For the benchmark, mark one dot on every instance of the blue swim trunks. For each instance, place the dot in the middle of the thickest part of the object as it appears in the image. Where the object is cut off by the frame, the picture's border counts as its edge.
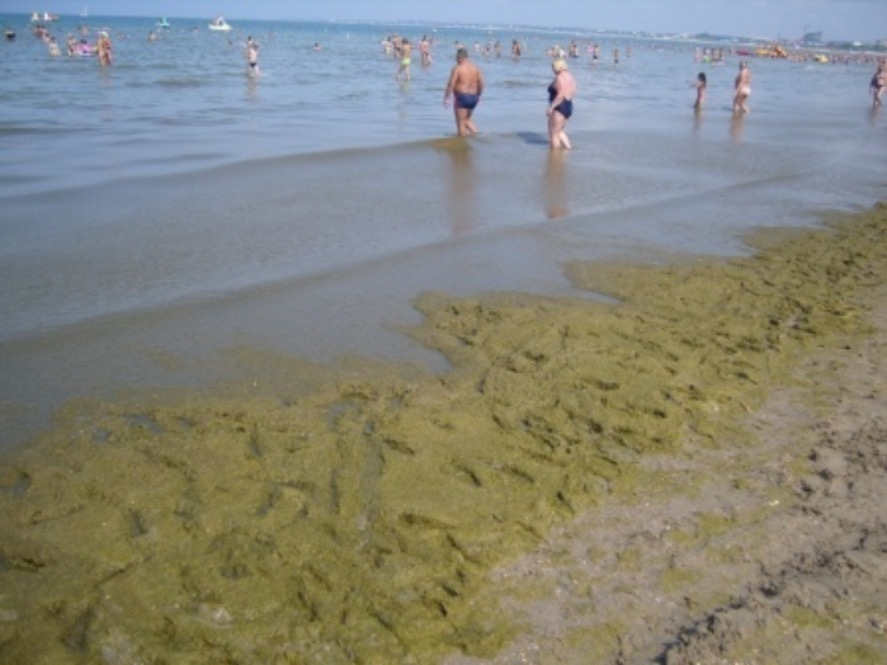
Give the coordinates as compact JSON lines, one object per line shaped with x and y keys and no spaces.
{"x":466,"y":100}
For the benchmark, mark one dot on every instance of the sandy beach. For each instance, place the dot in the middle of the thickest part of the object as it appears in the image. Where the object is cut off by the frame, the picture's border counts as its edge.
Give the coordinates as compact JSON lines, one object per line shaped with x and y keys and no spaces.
{"x":694,"y":473}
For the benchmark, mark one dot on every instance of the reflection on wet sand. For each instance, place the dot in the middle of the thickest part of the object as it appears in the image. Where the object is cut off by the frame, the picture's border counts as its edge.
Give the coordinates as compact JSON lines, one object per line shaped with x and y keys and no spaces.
{"x":736,"y":128}
{"x":461,"y":195}
{"x":555,"y":184}
{"x":697,"y":120}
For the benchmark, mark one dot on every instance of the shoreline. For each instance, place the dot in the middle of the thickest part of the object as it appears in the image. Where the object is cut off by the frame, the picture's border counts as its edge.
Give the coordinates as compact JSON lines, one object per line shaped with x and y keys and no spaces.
{"x":365,"y":519}
{"x":163,"y":271}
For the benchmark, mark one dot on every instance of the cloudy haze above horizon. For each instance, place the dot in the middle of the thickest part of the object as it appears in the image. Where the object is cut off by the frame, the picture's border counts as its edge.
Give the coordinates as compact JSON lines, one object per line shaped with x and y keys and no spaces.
{"x":838,"y":20}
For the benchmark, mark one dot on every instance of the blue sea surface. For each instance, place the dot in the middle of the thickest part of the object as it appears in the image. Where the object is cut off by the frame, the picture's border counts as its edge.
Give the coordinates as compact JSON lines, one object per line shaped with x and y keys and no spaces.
{"x":171,"y":206}
{"x":184,"y":101}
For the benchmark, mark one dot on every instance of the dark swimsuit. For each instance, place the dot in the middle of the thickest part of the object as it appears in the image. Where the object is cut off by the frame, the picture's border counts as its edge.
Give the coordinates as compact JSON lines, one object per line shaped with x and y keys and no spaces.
{"x":465,"y":100}
{"x":565,"y":108}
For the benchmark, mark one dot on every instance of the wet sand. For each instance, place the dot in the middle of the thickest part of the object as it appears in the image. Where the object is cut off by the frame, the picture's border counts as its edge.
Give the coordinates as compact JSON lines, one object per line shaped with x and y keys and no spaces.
{"x":149,"y":282}
{"x":692,"y":474}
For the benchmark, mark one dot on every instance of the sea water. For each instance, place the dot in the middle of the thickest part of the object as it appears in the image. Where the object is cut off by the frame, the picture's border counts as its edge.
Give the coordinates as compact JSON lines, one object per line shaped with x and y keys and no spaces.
{"x":158,"y":212}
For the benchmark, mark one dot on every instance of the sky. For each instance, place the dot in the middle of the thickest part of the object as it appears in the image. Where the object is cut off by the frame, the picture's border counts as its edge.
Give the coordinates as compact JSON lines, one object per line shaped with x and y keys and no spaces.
{"x":838,"y":20}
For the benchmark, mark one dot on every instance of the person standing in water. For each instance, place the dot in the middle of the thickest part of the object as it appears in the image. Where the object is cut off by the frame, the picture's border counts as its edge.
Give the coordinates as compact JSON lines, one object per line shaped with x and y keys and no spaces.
{"x":742,"y":86}
{"x":878,"y":83}
{"x":406,"y":51}
{"x":103,"y":49}
{"x":252,"y":58}
{"x":466,"y":85}
{"x":425,"y":51}
{"x":515,"y":49}
{"x":560,"y":104}
{"x":701,"y":86}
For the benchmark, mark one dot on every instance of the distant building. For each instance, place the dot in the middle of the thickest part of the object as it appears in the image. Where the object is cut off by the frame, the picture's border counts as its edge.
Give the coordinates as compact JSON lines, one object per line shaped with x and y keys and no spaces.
{"x":812,"y":38}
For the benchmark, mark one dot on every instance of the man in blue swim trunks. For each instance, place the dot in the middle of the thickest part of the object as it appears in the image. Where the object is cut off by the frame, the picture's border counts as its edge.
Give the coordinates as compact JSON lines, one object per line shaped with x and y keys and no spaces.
{"x":466,"y":85}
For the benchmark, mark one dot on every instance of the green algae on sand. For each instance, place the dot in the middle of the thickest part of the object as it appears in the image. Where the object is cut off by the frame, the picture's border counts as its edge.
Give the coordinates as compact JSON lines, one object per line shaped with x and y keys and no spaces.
{"x":358,"y":523}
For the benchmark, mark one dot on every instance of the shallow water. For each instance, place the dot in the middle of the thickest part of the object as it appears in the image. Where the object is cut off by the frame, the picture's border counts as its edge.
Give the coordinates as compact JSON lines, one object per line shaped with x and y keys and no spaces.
{"x":158,"y":213}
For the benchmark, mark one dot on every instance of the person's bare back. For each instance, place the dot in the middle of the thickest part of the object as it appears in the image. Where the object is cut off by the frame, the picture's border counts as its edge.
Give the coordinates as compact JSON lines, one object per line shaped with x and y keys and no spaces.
{"x":466,"y":78}
{"x":466,"y":85}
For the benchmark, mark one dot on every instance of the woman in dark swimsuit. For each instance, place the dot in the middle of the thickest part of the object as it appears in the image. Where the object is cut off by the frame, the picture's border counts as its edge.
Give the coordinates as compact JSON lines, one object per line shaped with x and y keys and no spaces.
{"x":878,"y":83}
{"x":560,"y":104}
